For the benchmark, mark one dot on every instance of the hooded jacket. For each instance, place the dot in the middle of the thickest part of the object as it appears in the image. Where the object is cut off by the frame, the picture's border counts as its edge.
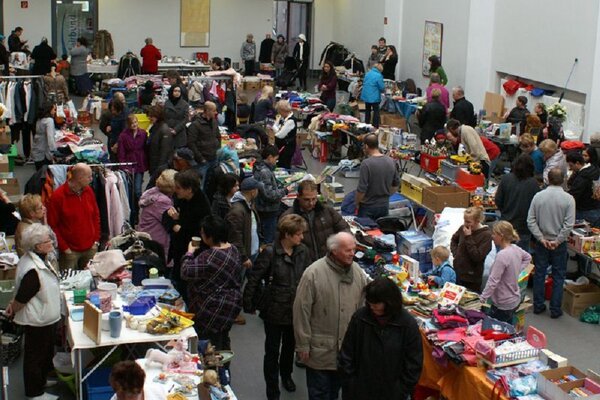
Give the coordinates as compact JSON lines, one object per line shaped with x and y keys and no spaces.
{"x":176,"y":116}
{"x":581,"y":187}
{"x":324,"y":222}
{"x":153,"y":205}
{"x":240,"y":225}
{"x":269,"y":192}
{"x":204,"y":139}
{"x":469,"y":253}
{"x":380,"y":362}
{"x":373,"y":86}
{"x":160,"y":146}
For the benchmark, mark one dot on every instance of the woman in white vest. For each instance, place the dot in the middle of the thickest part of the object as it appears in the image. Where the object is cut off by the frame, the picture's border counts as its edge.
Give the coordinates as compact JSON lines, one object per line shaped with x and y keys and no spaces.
{"x":36,"y":307}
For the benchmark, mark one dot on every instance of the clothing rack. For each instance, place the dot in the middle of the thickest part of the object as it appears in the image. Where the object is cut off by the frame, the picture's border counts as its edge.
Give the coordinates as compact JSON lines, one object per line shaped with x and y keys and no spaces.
{"x":21,"y":77}
{"x":112,"y":164}
{"x":219,"y":79}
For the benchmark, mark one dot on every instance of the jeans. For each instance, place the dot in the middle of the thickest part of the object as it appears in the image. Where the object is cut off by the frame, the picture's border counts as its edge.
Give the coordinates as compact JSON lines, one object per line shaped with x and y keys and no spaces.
{"x":330,"y":103}
{"x":268,"y":223}
{"x":591,"y":216}
{"x":278,"y":363}
{"x":375,"y":108}
{"x":501,"y":315}
{"x":248,"y":67}
{"x":524,"y":241}
{"x":493,"y":166}
{"x":138,"y":179}
{"x":543,"y":258}
{"x":205,"y":170}
{"x":322,"y":384}
{"x":373,"y":212}
{"x":37,"y":358}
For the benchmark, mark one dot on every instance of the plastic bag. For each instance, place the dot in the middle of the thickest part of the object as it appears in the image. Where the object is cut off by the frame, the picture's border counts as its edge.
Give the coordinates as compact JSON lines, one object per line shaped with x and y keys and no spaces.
{"x":523,"y":386}
{"x":591,"y":315}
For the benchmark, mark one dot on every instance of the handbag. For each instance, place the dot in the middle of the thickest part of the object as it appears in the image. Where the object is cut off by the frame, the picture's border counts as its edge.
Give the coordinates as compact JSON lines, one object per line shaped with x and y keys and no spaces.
{"x":262,"y":295}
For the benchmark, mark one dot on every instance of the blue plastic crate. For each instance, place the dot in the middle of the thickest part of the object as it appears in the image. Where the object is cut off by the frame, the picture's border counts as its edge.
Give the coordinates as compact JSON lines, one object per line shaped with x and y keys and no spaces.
{"x":96,"y":386}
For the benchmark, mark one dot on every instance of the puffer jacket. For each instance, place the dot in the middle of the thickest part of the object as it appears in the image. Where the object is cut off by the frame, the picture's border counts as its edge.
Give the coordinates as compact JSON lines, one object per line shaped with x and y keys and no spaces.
{"x":282,"y":274}
{"x":153,"y":205}
{"x":327,"y":297}
{"x":581,"y":187}
{"x":176,"y":116}
{"x":204,"y":139}
{"x":372,"y":354}
{"x":160,"y":146}
{"x":240,"y":225}
{"x":279,"y":53}
{"x":269,"y":192}
{"x":325,"y":222}
{"x":248,"y":51}
{"x":373,"y":86}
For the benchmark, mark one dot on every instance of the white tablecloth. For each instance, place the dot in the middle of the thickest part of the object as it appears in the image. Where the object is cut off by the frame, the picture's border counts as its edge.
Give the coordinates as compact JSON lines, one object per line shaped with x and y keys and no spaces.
{"x":102,"y":69}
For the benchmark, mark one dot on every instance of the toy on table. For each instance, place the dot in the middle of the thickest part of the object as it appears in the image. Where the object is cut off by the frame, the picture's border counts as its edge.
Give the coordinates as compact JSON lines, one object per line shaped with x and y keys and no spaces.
{"x":210,"y":388}
{"x":176,"y":358}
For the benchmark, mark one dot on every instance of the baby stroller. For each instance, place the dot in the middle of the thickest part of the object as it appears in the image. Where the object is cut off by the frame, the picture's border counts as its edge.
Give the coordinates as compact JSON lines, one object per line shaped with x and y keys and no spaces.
{"x":289,"y":74}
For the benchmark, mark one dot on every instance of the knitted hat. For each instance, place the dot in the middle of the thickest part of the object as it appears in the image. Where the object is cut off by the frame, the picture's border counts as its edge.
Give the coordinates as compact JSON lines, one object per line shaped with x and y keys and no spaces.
{"x":249,"y":184}
{"x":302,"y":37}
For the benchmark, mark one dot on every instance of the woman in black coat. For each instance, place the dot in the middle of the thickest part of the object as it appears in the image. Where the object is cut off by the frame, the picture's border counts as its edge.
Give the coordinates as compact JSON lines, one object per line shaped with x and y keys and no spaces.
{"x":280,"y":265}
{"x":389,"y":63}
{"x":176,"y":116}
{"x":43,"y":55}
{"x":432,"y":117}
{"x":160,"y":140}
{"x":382,"y":355}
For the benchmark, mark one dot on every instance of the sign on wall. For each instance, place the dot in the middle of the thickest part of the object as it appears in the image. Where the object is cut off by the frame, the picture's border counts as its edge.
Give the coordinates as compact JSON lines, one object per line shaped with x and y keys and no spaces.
{"x":195,"y":23}
{"x":432,"y":43}
{"x":73,"y":22}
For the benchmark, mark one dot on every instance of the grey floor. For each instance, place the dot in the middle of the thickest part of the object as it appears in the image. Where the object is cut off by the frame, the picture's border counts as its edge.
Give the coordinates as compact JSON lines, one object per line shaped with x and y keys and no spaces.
{"x":566,"y":336}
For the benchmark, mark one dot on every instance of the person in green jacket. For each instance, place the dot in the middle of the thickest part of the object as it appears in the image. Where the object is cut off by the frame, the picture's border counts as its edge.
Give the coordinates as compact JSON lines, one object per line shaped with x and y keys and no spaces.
{"x":436,"y":66}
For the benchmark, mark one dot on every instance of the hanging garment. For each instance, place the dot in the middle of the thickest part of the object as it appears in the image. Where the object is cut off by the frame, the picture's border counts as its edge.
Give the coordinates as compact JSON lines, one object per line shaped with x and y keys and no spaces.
{"x":116,"y":217}
{"x":103,"y":44}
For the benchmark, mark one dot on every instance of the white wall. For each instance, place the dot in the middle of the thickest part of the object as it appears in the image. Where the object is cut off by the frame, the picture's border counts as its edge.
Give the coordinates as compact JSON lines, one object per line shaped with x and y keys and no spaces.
{"x":542,"y":39}
{"x":455,"y":17}
{"x":359,"y":25}
{"x":324,"y":12}
{"x":34,"y":20}
{"x":131,"y":21}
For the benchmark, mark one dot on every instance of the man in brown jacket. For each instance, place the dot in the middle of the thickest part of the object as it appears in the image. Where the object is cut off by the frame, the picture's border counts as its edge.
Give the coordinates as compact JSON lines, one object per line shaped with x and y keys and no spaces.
{"x":322,"y":220}
{"x":244,"y":223}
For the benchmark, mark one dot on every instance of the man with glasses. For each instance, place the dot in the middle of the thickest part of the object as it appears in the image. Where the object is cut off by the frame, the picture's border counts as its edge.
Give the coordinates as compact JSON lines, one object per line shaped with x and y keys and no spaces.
{"x":322,"y":220}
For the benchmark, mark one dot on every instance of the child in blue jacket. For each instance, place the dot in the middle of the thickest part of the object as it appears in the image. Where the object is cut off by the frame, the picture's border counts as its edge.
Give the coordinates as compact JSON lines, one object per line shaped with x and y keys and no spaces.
{"x":442,"y":270}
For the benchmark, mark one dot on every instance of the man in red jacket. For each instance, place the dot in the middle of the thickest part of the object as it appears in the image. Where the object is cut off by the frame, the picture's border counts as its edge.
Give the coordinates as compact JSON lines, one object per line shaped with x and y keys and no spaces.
{"x":74,"y":216}
{"x":150,"y":55}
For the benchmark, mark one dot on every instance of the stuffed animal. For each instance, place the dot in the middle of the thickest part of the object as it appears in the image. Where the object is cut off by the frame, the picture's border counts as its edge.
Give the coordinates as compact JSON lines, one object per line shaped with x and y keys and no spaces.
{"x":177,"y":356}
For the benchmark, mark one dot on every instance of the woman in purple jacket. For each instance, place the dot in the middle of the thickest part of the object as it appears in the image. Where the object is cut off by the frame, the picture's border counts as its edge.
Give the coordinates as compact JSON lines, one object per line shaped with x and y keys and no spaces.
{"x":328,"y":85}
{"x":153,"y":204}
{"x":132,"y":149}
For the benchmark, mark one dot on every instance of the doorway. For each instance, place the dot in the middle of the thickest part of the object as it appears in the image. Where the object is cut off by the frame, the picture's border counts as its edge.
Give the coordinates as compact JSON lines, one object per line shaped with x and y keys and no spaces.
{"x":291,"y":18}
{"x":72,"y":19}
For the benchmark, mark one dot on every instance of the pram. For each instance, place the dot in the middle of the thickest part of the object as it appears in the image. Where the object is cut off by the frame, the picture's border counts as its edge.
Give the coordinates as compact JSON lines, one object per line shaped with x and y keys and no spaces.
{"x":289,"y":74}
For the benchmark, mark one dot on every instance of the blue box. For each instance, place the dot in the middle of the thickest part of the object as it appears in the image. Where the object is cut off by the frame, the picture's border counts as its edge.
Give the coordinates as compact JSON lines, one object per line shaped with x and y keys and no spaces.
{"x":411,"y":241}
{"x":96,"y":386}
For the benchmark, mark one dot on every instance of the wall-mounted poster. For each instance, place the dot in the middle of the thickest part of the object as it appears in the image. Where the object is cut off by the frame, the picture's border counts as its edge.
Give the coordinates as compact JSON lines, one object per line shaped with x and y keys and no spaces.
{"x":432,"y":43}
{"x":195,"y":23}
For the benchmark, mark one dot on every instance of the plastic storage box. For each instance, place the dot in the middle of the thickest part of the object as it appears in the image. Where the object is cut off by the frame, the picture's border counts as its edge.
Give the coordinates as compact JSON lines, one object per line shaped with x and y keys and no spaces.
{"x":141,"y":305}
{"x":469,"y":181}
{"x":449,"y":169}
{"x":97,"y":387}
{"x":431,"y":163}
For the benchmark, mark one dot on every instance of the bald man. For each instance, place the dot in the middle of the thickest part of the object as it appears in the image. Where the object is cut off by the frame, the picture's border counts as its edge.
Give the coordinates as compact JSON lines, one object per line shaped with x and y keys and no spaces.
{"x":204,"y":139}
{"x":329,"y":293}
{"x":74,"y":216}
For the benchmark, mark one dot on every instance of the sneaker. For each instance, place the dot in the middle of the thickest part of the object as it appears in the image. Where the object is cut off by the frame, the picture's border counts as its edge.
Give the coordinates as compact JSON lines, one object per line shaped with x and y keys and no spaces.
{"x":29,"y":161}
{"x":556,"y":315}
{"x":539,"y":310}
{"x":45,"y":396}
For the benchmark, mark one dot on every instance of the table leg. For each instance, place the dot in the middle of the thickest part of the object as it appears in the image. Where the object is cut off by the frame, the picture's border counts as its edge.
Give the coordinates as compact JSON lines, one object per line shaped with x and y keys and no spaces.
{"x":78,"y":382}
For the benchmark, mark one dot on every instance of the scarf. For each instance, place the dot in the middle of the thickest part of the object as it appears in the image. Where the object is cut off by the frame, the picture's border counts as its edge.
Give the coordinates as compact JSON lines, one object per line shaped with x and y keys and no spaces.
{"x":174,"y":99}
{"x":347,"y":275}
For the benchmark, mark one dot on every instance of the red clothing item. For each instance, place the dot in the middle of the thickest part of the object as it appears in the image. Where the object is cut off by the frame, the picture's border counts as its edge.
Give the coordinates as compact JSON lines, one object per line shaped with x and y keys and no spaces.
{"x":150,"y":55}
{"x":492,"y":150}
{"x":75,"y":219}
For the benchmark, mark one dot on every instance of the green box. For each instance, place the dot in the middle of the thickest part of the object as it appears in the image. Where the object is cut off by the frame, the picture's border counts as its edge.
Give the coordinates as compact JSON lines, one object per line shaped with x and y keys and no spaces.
{"x":11,"y":158}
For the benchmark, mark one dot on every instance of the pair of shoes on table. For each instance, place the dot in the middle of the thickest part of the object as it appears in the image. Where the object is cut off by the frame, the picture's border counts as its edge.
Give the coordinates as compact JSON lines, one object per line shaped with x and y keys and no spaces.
{"x":288,"y":384}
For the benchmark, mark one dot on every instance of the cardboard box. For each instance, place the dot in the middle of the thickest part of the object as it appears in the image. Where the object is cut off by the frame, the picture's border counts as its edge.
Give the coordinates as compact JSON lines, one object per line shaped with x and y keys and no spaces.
{"x":7,"y":274}
{"x":5,"y":137}
{"x":551,"y":390}
{"x":588,"y":384}
{"x":576,"y":298}
{"x":439,"y":197}
{"x":493,"y":104}
{"x":416,"y":245}
{"x":393,"y":120}
{"x":412,"y":187}
{"x":4,"y":163}
{"x":581,"y":241}
{"x":10,"y":186}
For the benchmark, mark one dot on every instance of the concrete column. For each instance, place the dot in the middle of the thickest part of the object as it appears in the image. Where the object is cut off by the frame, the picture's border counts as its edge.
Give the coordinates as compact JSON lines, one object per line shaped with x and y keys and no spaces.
{"x":392,"y":31}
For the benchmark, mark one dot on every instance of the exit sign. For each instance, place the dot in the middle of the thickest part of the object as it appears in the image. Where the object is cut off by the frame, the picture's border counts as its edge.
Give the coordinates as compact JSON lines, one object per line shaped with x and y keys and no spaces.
{"x":24,"y":4}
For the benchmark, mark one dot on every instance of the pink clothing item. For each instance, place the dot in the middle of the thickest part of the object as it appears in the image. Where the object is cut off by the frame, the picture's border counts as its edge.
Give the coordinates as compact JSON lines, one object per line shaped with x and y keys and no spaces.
{"x":114,"y":207}
{"x":452,"y":335}
{"x":153,"y":205}
{"x":444,"y":97}
{"x":502,"y":286}
{"x":133,"y":149}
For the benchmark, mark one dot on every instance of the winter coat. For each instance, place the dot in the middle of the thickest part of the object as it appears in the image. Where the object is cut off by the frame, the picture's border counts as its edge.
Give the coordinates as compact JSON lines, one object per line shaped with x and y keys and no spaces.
{"x":160,"y":146}
{"x":240,"y":225}
{"x":263,"y":110}
{"x":220,"y":205}
{"x":331,"y":85}
{"x":463,"y":112}
{"x":133,"y":149}
{"x":431,"y":118}
{"x":443,"y":273}
{"x":325,"y":222}
{"x":43,"y":55}
{"x":327,"y":297}
{"x":279,"y":53}
{"x":269,"y":192}
{"x":281,"y":274}
{"x":4,"y":60}
{"x":14,"y":43}
{"x":103,"y":44}
{"x":373,"y":86}
{"x":150,"y":58}
{"x":389,"y":68}
{"x":470,"y":252}
{"x":513,"y":198}
{"x":518,"y":116}
{"x":248,"y":51}
{"x":380,"y":362}
{"x":266,"y":48}
{"x":204,"y":139}
{"x":581,"y":187}
{"x":305,"y":55}
{"x":79,"y":60}
{"x":176,"y":116}
{"x":153,"y":205}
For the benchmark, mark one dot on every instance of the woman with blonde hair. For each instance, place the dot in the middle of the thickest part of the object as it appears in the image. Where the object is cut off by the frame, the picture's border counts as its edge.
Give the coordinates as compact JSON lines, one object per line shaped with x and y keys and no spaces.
{"x":470,"y":245}
{"x":32,"y":210}
{"x":284,"y":129}
{"x":263,"y":108}
{"x":502,"y":287}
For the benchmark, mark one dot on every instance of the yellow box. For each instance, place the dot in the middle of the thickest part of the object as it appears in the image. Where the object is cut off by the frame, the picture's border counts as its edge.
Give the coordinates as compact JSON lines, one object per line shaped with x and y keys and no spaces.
{"x":143,"y":121}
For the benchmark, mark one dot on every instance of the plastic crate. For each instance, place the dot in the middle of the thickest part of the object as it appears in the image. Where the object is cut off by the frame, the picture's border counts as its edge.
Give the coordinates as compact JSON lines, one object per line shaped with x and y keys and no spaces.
{"x":12,"y":154}
{"x":449,"y":169}
{"x":468,"y":181}
{"x":143,"y":121}
{"x":431,"y":163}
{"x":96,"y":386}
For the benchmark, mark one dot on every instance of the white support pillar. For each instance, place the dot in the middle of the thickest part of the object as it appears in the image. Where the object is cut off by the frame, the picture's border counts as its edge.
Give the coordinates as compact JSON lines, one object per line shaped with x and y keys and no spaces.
{"x":392,"y":31}
{"x":592,"y":102}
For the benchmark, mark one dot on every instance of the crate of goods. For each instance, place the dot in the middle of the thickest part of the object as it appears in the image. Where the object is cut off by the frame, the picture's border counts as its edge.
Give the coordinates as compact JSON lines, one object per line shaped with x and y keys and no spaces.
{"x":449,"y":169}
{"x":97,"y":386}
{"x":7,"y":160}
{"x":416,"y":245}
{"x":548,"y":381}
{"x":576,"y":298}
{"x":412,"y":187}
{"x":431,"y":163}
{"x":581,"y":388}
{"x":581,"y":240}
{"x":468,"y":181}
{"x":517,"y":350}
{"x":251,"y":84}
{"x":437,"y":198}
{"x":4,"y":163}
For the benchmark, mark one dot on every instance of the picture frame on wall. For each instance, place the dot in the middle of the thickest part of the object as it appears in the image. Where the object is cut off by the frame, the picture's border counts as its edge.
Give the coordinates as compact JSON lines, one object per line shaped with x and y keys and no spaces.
{"x":432,"y":43}
{"x":194,"y":23}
